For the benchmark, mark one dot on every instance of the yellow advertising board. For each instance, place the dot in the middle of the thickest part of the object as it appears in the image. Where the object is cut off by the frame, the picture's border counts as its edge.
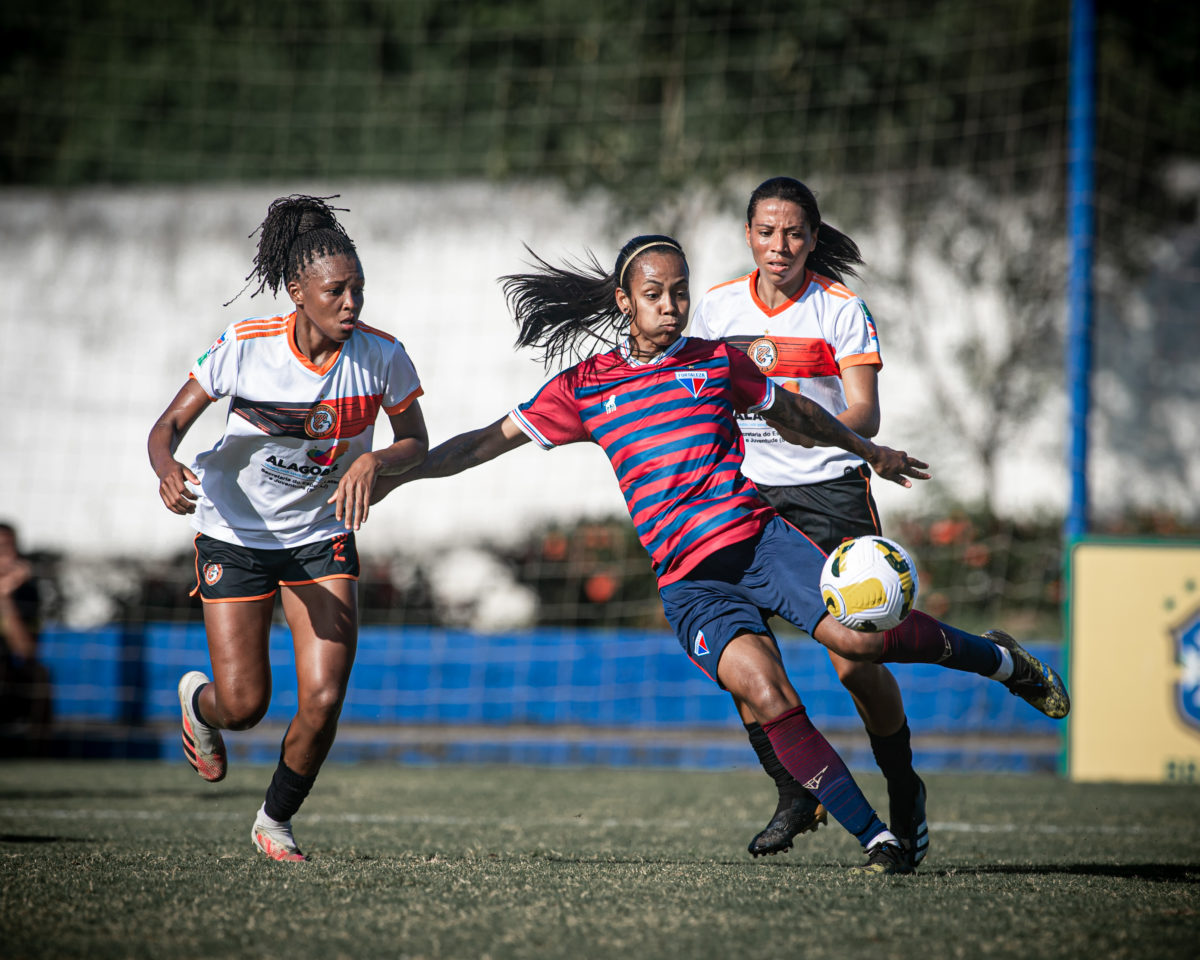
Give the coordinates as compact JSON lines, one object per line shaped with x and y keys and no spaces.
{"x":1134,"y":671}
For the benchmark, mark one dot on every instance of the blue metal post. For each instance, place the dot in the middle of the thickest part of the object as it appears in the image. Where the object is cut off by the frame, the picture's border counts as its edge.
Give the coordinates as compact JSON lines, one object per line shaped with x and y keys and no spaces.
{"x":1080,"y":235}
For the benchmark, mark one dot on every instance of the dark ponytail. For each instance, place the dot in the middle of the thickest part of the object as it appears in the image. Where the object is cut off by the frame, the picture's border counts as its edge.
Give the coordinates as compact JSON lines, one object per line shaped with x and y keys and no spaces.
{"x":565,"y":310}
{"x":835,"y":256}
{"x":296,"y":231}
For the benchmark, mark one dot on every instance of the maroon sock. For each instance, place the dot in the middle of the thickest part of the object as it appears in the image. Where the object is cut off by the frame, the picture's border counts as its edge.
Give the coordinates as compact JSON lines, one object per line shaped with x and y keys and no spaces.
{"x":921,"y":639}
{"x":808,"y":757}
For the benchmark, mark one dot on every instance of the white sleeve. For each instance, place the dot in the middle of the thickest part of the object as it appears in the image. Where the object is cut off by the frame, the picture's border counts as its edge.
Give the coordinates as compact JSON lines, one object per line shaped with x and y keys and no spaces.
{"x":216,"y":369}
{"x":699,"y":324}
{"x":854,"y":333}
{"x":403,"y":384}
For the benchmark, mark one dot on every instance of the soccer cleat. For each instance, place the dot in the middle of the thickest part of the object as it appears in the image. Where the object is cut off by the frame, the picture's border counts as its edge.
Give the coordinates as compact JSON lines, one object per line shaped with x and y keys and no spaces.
{"x":202,"y":745}
{"x":1032,"y":680}
{"x":883,"y":858}
{"x":793,"y":816}
{"x":912,"y":829}
{"x":276,"y":842}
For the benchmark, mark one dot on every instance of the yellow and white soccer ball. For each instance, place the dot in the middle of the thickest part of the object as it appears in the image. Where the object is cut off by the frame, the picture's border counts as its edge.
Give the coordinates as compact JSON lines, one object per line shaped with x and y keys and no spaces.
{"x":869,"y":583}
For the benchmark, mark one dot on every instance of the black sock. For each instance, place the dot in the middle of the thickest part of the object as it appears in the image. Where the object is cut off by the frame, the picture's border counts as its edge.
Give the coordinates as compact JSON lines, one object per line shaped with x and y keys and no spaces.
{"x":196,"y":706}
{"x":286,"y":792}
{"x":784,"y":781}
{"x":893,"y":753}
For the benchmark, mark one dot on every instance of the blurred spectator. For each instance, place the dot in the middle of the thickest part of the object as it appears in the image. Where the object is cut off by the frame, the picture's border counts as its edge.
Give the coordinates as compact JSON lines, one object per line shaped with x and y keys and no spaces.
{"x":24,"y":682}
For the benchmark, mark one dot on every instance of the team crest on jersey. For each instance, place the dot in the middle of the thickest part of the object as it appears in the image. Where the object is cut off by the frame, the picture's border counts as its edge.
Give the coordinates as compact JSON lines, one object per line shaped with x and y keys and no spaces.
{"x":321,"y":421}
{"x":765,"y":353}
{"x":701,"y":645}
{"x":1187,"y":653}
{"x":212,"y":573}
{"x":610,"y":405}
{"x":329,"y":455}
{"x":694,"y":380}
{"x":209,"y":352}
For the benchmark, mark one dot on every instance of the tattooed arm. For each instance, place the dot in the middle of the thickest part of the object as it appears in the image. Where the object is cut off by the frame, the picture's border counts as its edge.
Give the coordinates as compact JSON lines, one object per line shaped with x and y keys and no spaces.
{"x":803,"y":416}
{"x":458,"y":454}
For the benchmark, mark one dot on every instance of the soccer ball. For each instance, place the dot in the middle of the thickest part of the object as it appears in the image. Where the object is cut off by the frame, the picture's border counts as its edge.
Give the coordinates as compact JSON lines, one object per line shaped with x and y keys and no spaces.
{"x":869,"y":583}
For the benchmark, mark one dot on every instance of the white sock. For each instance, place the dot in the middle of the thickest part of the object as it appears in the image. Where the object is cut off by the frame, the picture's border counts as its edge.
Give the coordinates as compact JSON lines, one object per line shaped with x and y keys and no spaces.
{"x":267,"y":821}
{"x":886,"y":836}
{"x":1005,"y":670}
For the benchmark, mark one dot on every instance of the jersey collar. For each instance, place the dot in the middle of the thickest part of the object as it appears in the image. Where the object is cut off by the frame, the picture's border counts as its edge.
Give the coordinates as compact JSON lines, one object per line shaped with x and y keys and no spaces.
{"x":786,"y":303}
{"x":625,"y":352}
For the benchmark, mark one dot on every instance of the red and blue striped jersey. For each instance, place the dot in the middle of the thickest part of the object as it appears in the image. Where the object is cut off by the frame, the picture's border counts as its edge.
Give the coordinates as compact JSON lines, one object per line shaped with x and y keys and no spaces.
{"x":669,"y":430}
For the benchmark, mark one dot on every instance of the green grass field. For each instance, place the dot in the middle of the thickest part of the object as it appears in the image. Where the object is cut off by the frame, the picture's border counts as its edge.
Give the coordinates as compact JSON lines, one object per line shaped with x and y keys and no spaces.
{"x":145,"y":860}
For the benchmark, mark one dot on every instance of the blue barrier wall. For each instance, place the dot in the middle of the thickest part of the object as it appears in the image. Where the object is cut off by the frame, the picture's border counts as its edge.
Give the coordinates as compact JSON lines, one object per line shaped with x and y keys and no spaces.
{"x":546,"y":677}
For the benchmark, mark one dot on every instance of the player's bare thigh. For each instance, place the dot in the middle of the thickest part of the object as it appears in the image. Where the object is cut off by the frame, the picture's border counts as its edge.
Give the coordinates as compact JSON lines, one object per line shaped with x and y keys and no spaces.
{"x":752,"y":670}
{"x":238,"y":633}
{"x":323,"y":618}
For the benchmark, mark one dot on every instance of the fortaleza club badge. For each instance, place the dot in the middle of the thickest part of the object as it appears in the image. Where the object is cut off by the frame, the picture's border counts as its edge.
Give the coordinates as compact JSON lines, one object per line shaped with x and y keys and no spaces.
{"x":694,"y":380}
{"x":1187,"y":652}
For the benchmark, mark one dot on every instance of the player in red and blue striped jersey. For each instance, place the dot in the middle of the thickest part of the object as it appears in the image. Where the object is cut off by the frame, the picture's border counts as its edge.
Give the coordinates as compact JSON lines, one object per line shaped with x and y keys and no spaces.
{"x":663,"y":408}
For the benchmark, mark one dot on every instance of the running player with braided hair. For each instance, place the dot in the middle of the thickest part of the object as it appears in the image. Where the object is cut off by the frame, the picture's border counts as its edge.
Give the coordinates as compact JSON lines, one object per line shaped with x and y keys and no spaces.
{"x":796,"y":319}
{"x":663,"y":408}
{"x":277,"y":500}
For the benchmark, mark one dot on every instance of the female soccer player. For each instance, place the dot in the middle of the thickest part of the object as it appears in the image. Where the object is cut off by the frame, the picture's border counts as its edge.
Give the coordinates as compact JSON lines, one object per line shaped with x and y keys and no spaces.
{"x":663,"y":408}
{"x":797,"y":321}
{"x":277,"y":500}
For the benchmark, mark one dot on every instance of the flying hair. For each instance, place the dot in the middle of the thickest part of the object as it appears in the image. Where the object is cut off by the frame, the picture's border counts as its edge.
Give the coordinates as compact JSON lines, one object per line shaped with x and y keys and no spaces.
{"x":569,"y":312}
{"x":297,"y":230}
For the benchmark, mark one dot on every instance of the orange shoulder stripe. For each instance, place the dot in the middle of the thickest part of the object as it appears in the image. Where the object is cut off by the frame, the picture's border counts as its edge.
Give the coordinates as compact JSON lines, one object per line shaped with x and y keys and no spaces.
{"x":367,"y":328}
{"x":744,"y":276}
{"x":833,"y":287}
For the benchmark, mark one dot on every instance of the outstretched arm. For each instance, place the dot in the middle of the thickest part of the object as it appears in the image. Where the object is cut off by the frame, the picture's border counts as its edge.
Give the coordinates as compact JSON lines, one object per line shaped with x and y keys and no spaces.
{"x":410,"y":441}
{"x":458,"y":454}
{"x":803,"y":416}
{"x":861,"y":386}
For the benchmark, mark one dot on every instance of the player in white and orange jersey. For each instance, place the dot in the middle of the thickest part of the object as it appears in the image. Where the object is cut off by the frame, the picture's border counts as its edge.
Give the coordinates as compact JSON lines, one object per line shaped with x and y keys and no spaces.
{"x":808,"y":332}
{"x":277,"y":500}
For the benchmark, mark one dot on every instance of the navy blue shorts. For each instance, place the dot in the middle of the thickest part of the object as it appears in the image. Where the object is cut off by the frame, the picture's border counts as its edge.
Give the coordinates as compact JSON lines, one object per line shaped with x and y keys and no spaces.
{"x":228,"y":571}
{"x":739,"y":587}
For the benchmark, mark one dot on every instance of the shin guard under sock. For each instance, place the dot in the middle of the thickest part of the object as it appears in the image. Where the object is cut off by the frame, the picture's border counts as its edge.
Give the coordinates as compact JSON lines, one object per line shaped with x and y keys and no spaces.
{"x":921,"y":639}
{"x":893,"y":754}
{"x":286,"y":792}
{"x":810,"y":759}
{"x":784,"y":781}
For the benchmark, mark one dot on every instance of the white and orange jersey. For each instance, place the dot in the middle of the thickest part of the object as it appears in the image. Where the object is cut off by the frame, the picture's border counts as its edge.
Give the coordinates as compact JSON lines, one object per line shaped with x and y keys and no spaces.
{"x":803,"y":345}
{"x":292,"y":428}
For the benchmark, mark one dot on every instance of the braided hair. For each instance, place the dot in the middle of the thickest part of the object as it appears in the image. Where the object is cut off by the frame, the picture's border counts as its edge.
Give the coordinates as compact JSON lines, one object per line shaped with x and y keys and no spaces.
{"x":296,"y":231}
{"x":562,"y":309}
{"x":835,"y":256}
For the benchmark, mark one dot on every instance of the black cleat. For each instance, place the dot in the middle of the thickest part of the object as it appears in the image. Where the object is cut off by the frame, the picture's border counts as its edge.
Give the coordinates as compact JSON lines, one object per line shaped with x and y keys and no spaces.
{"x":1032,"y":680}
{"x":884,"y":858}
{"x":911,"y":827}
{"x":793,"y":816}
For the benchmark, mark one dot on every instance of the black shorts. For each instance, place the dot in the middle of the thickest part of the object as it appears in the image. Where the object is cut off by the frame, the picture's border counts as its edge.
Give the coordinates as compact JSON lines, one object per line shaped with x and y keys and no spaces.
{"x":830,"y":511}
{"x":227,"y":571}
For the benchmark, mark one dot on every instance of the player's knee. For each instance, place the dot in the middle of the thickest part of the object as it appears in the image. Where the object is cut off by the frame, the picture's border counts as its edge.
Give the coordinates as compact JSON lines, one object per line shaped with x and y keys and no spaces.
{"x":241,"y":709}
{"x":322,"y":705}
{"x":243,"y":716}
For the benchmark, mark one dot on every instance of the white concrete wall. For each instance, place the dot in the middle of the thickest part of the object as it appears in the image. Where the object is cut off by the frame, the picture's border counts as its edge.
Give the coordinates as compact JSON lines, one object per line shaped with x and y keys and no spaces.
{"x":113,"y":293}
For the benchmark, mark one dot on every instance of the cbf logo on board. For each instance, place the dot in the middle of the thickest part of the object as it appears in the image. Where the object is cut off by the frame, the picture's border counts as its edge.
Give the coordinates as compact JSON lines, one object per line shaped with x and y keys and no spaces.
{"x":1187,"y":652}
